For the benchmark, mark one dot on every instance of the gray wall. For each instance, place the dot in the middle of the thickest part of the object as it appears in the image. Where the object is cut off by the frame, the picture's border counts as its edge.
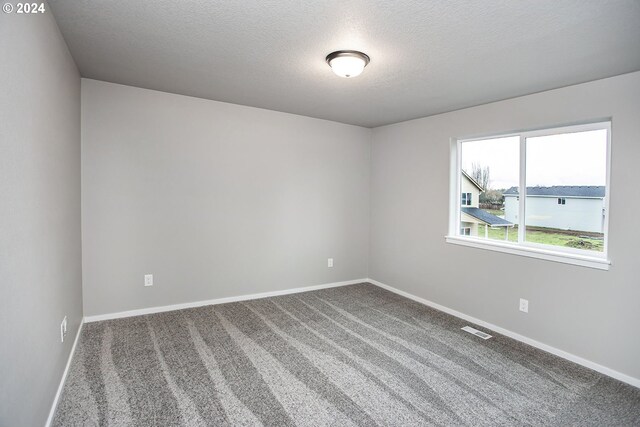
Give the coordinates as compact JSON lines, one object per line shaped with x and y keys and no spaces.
{"x":214,"y":199}
{"x":40,"y":259}
{"x":590,"y":313}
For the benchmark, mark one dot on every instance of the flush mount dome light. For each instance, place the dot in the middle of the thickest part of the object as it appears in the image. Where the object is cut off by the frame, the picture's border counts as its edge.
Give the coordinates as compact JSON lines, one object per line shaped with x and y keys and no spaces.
{"x":347,"y":63}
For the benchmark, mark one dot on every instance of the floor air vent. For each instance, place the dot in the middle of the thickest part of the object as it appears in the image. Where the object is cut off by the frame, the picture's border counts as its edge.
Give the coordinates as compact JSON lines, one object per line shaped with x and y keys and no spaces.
{"x":476,"y":332}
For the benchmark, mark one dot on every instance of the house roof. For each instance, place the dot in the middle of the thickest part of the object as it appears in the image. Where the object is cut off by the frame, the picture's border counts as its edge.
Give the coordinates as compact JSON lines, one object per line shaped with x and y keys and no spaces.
{"x":485,"y":216}
{"x":473,"y":181}
{"x":561,"y":191}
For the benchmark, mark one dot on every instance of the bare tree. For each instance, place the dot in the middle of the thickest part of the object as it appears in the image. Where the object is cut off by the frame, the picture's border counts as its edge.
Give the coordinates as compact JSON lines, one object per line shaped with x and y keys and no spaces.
{"x":481,"y":175}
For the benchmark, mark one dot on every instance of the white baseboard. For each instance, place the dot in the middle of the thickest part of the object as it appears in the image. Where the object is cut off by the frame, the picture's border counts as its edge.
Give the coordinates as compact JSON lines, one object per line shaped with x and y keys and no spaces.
{"x":52,"y":412}
{"x":549,"y":349}
{"x":151,"y":310}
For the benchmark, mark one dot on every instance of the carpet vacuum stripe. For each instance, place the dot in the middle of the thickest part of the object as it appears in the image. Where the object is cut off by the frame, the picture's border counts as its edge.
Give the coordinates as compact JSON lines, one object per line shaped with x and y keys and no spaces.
{"x":355,"y":355}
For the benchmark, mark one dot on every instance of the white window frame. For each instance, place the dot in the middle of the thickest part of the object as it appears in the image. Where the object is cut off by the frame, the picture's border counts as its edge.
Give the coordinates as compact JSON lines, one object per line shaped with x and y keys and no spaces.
{"x":573,"y":256}
{"x":463,"y":233}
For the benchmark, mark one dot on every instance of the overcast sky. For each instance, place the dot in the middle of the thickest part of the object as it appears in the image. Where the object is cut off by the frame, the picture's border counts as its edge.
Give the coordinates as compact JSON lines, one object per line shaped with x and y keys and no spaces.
{"x":566,"y":159}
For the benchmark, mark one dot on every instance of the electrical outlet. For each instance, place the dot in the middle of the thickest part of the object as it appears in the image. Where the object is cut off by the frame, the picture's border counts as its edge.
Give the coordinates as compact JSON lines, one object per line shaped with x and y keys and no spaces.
{"x":148,"y":279}
{"x":63,"y":329}
{"x":330,"y":262}
{"x":524,"y":305}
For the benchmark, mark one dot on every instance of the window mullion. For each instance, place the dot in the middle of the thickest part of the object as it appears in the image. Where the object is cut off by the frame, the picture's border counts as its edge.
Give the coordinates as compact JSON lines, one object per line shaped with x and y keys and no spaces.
{"x":522,"y":191}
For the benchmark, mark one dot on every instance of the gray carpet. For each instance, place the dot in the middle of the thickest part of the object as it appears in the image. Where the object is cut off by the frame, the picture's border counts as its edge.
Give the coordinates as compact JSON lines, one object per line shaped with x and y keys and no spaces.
{"x":349,"y":356}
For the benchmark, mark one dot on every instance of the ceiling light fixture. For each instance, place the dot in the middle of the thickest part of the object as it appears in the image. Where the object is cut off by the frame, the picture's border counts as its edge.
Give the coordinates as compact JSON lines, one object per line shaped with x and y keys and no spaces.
{"x":347,"y":63}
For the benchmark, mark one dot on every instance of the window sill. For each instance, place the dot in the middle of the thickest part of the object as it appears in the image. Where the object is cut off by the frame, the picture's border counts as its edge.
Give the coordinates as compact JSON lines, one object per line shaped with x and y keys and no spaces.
{"x":550,"y":255}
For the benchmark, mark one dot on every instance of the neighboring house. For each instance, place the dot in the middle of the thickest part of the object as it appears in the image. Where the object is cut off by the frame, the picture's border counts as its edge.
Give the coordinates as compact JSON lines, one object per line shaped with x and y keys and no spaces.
{"x":470,"y":214}
{"x":578,"y":208}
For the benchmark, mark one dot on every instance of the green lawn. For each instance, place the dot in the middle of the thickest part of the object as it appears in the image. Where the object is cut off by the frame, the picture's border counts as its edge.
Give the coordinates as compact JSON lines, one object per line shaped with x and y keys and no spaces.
{"x":547,"y":237}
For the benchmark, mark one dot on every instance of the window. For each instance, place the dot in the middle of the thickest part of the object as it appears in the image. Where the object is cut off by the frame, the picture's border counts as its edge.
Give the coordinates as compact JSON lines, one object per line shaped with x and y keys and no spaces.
{"x":519,"y":178}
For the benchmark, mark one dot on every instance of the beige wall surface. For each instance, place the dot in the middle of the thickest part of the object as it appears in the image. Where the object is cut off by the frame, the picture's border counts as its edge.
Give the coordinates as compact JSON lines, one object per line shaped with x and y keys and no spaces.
{"x":214,"y":199}
{"x":40,"y":253}
{"x":590,"y":313}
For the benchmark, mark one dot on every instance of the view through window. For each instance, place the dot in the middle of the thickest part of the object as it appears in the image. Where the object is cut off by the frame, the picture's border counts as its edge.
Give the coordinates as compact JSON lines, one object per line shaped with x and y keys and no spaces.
{"x":565,"y":176}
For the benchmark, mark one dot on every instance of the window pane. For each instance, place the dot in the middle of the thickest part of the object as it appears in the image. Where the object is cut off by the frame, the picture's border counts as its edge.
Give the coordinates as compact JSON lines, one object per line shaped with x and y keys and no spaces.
{"x":566,"y":178}
{"x":490,"y":168}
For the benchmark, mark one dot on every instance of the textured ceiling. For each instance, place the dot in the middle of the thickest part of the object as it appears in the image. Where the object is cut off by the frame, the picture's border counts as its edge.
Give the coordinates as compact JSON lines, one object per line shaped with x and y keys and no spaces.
{"x":427,"y":57}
